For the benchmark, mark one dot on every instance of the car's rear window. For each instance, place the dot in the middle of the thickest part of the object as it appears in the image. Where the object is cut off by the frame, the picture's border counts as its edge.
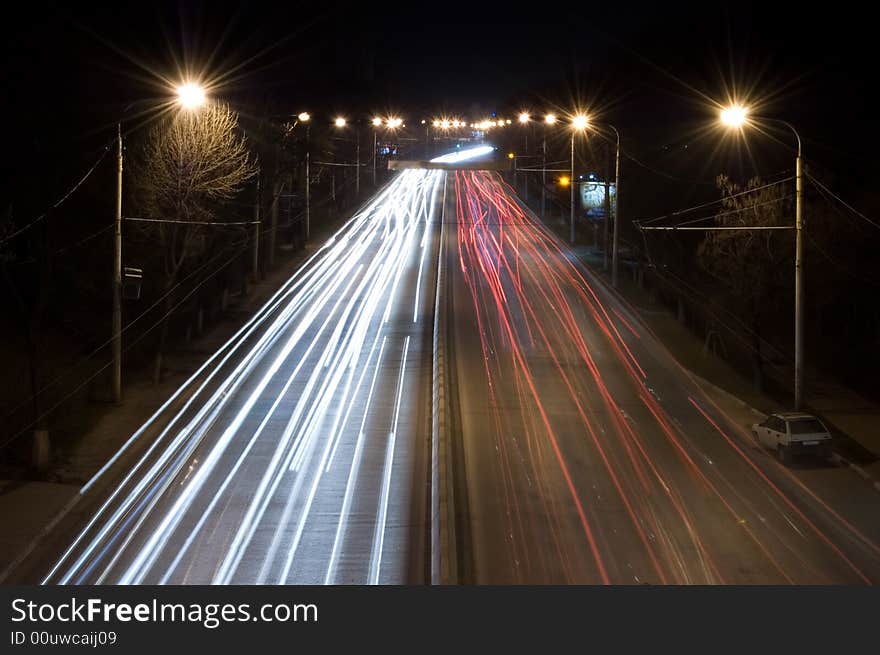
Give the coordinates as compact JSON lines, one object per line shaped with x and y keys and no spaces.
{"x":806,"y":426}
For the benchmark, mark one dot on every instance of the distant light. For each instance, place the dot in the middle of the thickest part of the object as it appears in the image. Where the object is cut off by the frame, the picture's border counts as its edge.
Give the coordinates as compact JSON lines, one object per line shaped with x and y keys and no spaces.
{"x":469,"y":153}
{"x":510,"y":155}
{"x":508,"y":121}
{"x":444,"y":125}
{"x":394,"y":122}
{"x":455,"y":123}
{"x":734,"y":116}
{"x":190,"y":95}
{"x":436,"y":123}
{"x":564,"y":181}
{"x":378,"y":121}
{"x":304,"y":117}
{"x":524,"y":118}
{"x":339,"y":122}
{"x":423,"y":121}
{"x":550,"y":119}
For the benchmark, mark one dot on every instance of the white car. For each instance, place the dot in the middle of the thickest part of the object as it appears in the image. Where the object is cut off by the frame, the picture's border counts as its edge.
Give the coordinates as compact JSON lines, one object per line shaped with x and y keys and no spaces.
{"x":793,"y":433}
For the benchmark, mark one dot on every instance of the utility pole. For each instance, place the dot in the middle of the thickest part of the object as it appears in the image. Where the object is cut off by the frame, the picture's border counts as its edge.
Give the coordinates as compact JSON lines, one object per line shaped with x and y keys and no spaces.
{"x":571,"y":188}
{"x":798,"y":284}
{"x":543,"y":174}
{"x":256,"y":271}
{"x":273,"y":228}
{"x":117,"y":276}
{"x":614,"y":237}
{"x":357,"y":178}
{"x":607,"y":211}
{"x":375,"y":153}
{"x":308,"y":184}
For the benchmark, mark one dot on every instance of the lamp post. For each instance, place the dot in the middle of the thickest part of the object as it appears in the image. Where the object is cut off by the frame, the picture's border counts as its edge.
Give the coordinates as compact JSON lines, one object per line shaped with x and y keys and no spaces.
{"x":341,"y":123}
{"x":615,"y":234}
{"x":524,"y":120}
{"x":305,"y":117}
{"x":377,"y":123}
{"x":736,"y":117}
{"x":189,"y":96}
{"x":549,"y":119}
{"x":579,"y":123}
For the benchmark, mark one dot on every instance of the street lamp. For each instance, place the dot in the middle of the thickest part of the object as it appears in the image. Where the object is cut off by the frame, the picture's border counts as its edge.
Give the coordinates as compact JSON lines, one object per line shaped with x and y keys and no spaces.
{"x":579,"y":123}
{"x":341,"y":123}
{"x":737,"y":117}
{"x":189,"y":96}
{"x":305,"y":117}
{"x":549,"y":119}
{"x":377,"y":123}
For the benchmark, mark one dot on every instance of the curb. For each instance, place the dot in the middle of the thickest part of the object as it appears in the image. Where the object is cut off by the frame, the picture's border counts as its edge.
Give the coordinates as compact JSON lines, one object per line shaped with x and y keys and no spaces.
{"x":700,"y":381}
{"x":842,"y":461}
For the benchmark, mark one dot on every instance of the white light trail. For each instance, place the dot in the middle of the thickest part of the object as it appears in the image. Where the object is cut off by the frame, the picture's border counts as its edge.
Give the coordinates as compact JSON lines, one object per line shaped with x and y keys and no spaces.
{"x":463,"y":155}
{"x":313,"y":335}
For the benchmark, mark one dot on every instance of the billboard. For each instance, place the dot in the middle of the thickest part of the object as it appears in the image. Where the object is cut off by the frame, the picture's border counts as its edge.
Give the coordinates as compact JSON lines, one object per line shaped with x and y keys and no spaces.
{"x":592,"y":195}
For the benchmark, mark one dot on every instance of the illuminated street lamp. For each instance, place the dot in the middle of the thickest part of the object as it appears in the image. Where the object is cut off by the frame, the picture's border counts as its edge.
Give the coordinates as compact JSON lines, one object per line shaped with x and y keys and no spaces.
{"x":549,"y":119}
{"x":524,"y":118}
{"x":340,"y":123}
{"x":579,"y":123}
{"x":377,"y":123}
{"x":189,"y":96}
{"x":737,"y":117}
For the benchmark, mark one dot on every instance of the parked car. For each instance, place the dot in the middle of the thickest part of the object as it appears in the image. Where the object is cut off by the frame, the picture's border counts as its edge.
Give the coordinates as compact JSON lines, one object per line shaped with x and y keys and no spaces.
{"x":793,"y":433}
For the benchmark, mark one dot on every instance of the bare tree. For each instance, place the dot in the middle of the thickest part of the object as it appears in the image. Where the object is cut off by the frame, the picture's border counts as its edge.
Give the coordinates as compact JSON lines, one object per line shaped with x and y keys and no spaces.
{"x":750,"y":264}
{"x":190,"y":165}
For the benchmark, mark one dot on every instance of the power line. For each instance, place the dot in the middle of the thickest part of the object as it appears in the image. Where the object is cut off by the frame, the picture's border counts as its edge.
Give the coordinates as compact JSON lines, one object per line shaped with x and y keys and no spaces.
{"x":688,"y":210}
{"x":108,"y":364}
{"x":59,"y":202}
{"x":842,"y":202}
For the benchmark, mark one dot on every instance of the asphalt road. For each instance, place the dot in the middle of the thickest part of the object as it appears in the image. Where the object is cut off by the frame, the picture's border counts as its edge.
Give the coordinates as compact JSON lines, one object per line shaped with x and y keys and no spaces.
{"x":582,"y":452}
{"x":588,"y":453}
{"x":299,"y":453}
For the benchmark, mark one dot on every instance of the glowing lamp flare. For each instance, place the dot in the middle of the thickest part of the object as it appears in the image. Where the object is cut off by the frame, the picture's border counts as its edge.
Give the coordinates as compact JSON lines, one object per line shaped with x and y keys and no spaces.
{"x":580,"y":122}
{"x":734,"y":116}
{"x":339,"y":122}
{"x":304,"y":117}
{"x":550,"y":119}
{"x":191,"y":96}
{"x":377,"y":122}
{"x":564,"y":180}
{"x":524,"y":118}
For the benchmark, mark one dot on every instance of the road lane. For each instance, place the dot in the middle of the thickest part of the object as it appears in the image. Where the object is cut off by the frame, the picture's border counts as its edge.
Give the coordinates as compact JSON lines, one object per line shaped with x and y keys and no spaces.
{"x":590,"y":456}
{"x":300,"y":455}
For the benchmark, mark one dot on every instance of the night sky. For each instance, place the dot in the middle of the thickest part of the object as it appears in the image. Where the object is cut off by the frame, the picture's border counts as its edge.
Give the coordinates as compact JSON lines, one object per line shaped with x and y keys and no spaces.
{"x":651,"y":69}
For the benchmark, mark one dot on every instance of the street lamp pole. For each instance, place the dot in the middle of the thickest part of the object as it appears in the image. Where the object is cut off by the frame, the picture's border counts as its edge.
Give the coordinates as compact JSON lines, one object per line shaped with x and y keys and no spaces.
{"x":308,"y":182}
{"x":544,"y":173}
{"x":798,"y":275}
{"x":736,"y":117}
{"x":571,"y":188}
{"x":615,"y":234}
{"x":117,"y":275}
{"x":357,"y":177}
